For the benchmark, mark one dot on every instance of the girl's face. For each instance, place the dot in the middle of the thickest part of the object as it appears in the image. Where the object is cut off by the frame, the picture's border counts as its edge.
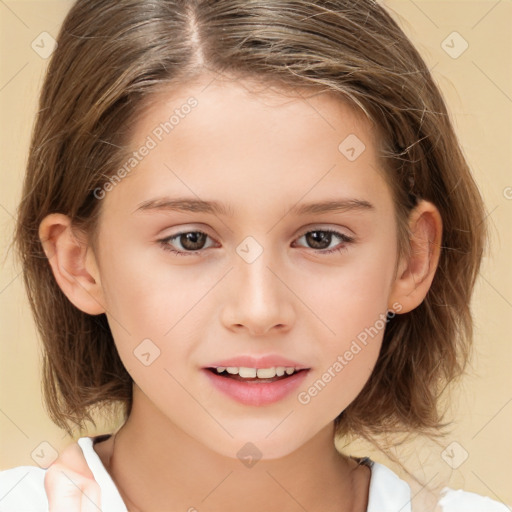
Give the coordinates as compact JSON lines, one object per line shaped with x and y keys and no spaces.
{"x":263,"y":279}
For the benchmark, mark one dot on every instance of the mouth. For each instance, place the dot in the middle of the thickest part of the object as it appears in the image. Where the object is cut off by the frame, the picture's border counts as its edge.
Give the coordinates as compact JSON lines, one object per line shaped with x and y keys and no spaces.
{"x":256,"y":386}
{"x":256,"y":375}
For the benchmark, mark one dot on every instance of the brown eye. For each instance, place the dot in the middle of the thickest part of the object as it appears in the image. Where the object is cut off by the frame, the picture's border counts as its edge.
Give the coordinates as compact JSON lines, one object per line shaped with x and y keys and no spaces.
{"x":318,"y":239}
{"x":192,"y":241}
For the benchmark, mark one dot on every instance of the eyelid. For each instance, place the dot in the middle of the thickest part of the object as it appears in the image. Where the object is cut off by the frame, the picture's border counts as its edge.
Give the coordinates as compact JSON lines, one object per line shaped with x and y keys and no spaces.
{"x":198,"y":228}
{"x":328,"y":228}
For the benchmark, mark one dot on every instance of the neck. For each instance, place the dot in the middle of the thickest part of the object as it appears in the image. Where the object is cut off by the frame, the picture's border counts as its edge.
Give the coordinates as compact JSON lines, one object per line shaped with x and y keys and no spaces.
{"x":157,"y":466}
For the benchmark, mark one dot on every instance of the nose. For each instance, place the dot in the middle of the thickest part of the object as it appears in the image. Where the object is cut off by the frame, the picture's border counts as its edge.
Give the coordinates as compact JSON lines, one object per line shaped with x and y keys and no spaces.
{"x":258,"y":298}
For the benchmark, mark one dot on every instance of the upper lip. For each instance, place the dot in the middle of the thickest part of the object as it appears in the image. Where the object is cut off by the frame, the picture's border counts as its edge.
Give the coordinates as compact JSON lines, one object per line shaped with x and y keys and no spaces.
{"x":266,"y":361}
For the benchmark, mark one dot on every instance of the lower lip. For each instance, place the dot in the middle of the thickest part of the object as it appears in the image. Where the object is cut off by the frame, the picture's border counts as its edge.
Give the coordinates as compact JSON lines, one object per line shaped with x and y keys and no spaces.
{"x":257,"y":393}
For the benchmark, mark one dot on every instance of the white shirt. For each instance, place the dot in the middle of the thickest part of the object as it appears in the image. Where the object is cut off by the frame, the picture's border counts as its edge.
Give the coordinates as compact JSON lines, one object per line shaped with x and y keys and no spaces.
{"x":22,"y":490}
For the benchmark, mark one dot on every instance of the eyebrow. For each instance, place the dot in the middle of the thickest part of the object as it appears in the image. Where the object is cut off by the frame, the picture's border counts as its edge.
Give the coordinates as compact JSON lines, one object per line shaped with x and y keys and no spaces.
{"x":215,"y":208}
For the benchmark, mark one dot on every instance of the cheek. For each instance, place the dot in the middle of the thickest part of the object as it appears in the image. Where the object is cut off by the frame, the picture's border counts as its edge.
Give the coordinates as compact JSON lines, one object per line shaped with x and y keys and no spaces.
{"x":145,"y":306}
{"x":347,"y":357}
{"x":350,"y":297}
{"x":146,"y":293}
{"x":351,"y":302}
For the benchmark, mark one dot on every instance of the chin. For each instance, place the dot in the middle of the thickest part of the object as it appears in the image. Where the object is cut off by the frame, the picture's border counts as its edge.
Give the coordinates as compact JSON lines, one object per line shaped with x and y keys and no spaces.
{"x":259,"y":444}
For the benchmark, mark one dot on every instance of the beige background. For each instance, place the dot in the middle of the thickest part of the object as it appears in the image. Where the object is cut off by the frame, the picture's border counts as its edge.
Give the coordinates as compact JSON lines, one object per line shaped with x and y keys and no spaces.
{"x":477,"y":87}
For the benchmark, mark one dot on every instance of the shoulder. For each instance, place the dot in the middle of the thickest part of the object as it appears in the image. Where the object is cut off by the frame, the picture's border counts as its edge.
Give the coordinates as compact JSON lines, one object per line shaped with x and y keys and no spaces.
{"x":22,"y":490}
{"x":389,"y":493}
{"x":464,"y":501}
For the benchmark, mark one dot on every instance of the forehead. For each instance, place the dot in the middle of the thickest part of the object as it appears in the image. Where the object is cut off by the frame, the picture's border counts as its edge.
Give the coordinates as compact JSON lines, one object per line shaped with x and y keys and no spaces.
{"x":225,"y":104}
{"x":242,"y":141}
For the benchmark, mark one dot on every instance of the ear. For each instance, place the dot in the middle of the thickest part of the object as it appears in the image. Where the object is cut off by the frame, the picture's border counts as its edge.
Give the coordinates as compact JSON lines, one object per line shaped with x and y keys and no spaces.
{"x":416,"y":270}
{"x":73,"y":263}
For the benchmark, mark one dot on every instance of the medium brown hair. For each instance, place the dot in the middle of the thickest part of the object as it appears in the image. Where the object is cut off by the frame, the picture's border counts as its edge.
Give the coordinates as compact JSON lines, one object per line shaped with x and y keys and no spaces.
{"x":114,"y":55}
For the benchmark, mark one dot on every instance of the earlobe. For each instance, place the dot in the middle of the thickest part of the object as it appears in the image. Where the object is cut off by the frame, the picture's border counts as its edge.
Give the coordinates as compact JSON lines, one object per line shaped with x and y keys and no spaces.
{"x":416,"y":270}
{"x":73,"y":263}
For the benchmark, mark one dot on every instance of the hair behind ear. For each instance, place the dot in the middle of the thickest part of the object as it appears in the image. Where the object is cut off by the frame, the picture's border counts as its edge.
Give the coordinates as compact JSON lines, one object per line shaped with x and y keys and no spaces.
{"x":70,"y":337}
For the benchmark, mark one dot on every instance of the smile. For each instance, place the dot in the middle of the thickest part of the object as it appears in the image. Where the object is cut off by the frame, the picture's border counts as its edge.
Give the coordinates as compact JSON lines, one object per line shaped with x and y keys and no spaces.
{"x":256,"y":386}
{"x":256,"y":373}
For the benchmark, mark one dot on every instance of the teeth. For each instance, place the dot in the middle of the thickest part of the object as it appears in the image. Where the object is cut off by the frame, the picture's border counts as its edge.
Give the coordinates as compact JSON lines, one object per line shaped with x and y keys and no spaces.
{"x":261,"y":373}
{"x":247,"y":373}
{"x":266,"y":373}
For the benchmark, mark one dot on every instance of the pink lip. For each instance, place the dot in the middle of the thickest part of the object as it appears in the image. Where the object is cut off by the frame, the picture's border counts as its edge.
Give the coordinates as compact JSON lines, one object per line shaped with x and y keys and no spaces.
{"x":253,"y":392}
{"x":268,"y":361}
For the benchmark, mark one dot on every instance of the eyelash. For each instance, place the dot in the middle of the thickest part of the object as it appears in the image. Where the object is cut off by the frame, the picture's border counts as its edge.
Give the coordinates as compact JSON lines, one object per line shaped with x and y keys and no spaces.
{"x":164,"y":242}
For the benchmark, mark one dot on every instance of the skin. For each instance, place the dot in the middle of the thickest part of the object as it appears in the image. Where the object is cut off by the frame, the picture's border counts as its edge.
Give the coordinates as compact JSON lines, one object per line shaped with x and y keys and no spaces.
{"x":261,"y":152}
